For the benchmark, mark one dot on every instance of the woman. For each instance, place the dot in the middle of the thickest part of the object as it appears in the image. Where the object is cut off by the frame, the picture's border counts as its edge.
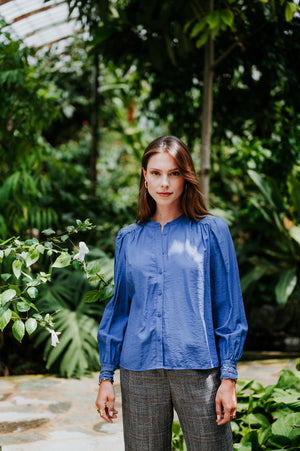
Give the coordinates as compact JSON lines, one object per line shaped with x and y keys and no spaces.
{"x":176,"y":324}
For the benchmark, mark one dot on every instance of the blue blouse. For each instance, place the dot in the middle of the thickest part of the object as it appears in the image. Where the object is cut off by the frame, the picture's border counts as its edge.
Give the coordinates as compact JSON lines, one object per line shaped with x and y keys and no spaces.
{"x":177,"y":302}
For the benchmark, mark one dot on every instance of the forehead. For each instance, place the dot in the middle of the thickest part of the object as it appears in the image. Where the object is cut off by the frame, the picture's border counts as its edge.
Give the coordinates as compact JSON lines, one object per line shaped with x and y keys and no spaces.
{"x":162,"y":160}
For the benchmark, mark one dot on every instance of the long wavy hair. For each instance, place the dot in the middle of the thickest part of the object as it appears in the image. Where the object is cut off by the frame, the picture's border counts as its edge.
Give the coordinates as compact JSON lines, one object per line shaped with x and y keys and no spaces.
{"x":192,"y":202}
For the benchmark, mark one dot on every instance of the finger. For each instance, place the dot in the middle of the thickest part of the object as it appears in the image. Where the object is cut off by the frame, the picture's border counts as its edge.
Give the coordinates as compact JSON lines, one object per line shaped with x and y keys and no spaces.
{"x":112,"y":413}
{"x":103,"y":412}
{"x":226,"y":418}
{"x":219,"y":412}
{"x":218,"y":408}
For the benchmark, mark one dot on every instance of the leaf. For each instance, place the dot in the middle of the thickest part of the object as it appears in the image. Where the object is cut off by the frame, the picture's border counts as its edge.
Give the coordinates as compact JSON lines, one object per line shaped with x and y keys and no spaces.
{"x":5,"y":316}
{"x":7,"y":296}
{"x":284,"y":426}
{"x":288,"y":379}
{"x":7,"y":251}
{"x":62,"y":261}
{"x":18,"y":330}
{"x":107,"y":292}
{"x":263,"y":185}
{"x":198,"y":28}
{"x":295,"y":233}
{"x":94,"y":267}
{"x":30,"y":325}
{"x":289,"y":12}
{"x":289,"y":398}
{"x":251,"y":437}
{"x":257,"y":419}
{"x":252,"y":276}
{"x":91,"y":296}
{"x":17,"y":267}
{"x":31,"y":242}
{"x":264,"y":434}
{"x":48,"y":231}
{"x":32,"y":256}
{"x":64,"y":238}
{"x":213,"y":19}
{"x":243,"y":447}
{"x":22,"y":306}
{"x":30,"y":304}
{"x":41,"y":248}
{"x":227,"y":17}
{"x":32,"y":292}
{"x":202,"y":40}
{"x":285,"y":286}
{"x":5,"y":276}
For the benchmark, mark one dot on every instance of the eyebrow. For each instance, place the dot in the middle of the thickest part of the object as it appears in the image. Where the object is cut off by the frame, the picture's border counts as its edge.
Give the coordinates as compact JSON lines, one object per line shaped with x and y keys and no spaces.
{"x":171,"y":170}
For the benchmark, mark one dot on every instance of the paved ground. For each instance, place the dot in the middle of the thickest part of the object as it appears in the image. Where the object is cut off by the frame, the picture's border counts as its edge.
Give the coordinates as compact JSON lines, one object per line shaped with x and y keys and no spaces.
{"x":41,"y":413}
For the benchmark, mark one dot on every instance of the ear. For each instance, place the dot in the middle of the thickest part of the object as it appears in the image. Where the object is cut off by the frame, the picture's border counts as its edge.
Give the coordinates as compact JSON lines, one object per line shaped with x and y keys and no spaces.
{"x":144,"y":173}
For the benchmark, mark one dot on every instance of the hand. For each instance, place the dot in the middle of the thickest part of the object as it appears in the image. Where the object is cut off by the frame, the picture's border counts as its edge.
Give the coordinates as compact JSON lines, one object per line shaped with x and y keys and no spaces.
{"x":226,"y":401}
{"x":105,"y":401}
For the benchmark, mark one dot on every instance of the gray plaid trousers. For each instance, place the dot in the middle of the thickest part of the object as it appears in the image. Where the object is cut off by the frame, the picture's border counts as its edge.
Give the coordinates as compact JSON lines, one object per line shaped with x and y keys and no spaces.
{"x":148,"y":400}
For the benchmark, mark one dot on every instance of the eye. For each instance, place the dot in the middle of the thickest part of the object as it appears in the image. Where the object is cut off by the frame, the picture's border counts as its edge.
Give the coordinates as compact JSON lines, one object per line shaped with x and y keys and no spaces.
{"x":175,"y":173}
{"x":154,"y":173}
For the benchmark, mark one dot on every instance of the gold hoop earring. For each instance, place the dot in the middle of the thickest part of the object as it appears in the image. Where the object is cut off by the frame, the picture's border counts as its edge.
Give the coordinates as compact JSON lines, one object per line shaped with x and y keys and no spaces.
{"x":146,"y":184}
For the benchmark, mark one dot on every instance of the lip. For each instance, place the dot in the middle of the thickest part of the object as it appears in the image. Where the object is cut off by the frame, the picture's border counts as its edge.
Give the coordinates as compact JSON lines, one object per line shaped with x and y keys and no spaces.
{"x":164,"y":194}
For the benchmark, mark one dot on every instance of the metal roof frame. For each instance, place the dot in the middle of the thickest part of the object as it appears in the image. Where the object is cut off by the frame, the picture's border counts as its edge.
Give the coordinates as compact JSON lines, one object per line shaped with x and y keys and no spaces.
{"x":38,"y":24}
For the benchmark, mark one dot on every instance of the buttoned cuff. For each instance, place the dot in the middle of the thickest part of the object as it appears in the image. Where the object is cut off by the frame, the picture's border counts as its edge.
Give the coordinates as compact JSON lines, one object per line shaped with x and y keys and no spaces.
{"x":228,"y":370}
{"x":107,"y":372}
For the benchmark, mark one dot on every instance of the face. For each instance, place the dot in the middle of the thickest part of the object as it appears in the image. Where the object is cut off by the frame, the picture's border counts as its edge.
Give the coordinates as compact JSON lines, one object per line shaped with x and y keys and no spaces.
{"x":165,"y":182}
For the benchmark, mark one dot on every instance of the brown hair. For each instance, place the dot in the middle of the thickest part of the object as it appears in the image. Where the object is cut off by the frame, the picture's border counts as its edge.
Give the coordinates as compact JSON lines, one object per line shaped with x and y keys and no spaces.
{"x":192,"y":202}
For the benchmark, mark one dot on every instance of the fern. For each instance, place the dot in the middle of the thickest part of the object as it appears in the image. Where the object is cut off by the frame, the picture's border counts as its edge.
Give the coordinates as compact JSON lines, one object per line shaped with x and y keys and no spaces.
{"x":77,"y":352}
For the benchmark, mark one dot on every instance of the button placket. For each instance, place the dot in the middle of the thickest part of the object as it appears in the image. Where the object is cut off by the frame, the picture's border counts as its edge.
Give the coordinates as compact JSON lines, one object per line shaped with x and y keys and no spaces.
{"x":161,"y":293}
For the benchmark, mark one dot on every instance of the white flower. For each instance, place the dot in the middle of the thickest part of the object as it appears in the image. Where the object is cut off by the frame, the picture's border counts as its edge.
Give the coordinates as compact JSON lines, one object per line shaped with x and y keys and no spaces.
{"x":54,"y":338}
{"x":83,"y":250}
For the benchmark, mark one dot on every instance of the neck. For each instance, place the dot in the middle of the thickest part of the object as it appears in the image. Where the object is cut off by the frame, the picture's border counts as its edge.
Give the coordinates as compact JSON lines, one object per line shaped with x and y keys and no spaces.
{"x":166,"y":215}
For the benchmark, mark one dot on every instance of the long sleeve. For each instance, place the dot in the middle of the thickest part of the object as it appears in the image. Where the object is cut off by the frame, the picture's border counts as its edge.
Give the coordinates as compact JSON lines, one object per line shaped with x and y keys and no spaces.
{"x":228,"y":309}
{"x":114,"y":320}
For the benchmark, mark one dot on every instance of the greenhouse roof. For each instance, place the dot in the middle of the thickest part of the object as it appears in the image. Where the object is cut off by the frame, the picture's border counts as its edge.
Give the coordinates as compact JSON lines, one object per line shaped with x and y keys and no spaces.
{"x":38,"y":23}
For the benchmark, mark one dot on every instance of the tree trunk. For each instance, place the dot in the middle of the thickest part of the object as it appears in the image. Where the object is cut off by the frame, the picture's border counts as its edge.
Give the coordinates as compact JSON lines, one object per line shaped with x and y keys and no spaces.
{"x":94,"y":124}
{"x":207,"y":114}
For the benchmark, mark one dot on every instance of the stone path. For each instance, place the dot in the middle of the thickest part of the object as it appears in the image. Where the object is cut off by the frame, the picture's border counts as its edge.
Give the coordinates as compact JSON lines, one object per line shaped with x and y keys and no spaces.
{"x":42,"y":413}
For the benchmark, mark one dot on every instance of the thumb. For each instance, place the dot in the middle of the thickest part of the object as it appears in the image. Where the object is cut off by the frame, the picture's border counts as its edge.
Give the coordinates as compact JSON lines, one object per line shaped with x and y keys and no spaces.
{"x":111,"y":407}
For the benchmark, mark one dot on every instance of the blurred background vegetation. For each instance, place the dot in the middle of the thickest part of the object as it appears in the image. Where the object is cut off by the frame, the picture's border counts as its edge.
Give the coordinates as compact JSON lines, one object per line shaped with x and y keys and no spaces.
{"x":73,"y":127}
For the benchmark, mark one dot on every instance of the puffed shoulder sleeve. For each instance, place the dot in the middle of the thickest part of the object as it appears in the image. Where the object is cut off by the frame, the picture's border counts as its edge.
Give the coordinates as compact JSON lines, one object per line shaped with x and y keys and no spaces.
{"x":228,"y":308}
{"x":114,"y":320}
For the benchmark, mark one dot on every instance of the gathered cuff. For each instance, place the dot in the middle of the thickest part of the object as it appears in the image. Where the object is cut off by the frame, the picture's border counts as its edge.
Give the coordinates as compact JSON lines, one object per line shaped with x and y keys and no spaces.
{"x":228,"y":370}
{"x":107,"y":372}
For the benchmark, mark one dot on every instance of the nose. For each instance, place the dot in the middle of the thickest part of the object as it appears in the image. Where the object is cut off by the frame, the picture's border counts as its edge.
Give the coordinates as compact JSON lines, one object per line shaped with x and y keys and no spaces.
{"x":165,"y":180}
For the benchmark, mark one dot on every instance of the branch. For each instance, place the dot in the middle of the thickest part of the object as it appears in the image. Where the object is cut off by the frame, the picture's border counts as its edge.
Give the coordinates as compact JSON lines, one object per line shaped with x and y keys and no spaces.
{"x":226,"y":53}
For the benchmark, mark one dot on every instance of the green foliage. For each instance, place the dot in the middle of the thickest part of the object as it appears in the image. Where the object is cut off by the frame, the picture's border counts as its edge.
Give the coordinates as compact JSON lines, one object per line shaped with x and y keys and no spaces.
{"x":162,"y":43}
{"x":263,"y":213}
{"x":23,"y":275}
{"x":43,"y":288}
{"x":282,"y":222}
{"x":211,"y":23}
{"x":76,"y":321}
{"x":268,"y":418}
{"x":178,"y":443}
{"x":24,"y":109}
